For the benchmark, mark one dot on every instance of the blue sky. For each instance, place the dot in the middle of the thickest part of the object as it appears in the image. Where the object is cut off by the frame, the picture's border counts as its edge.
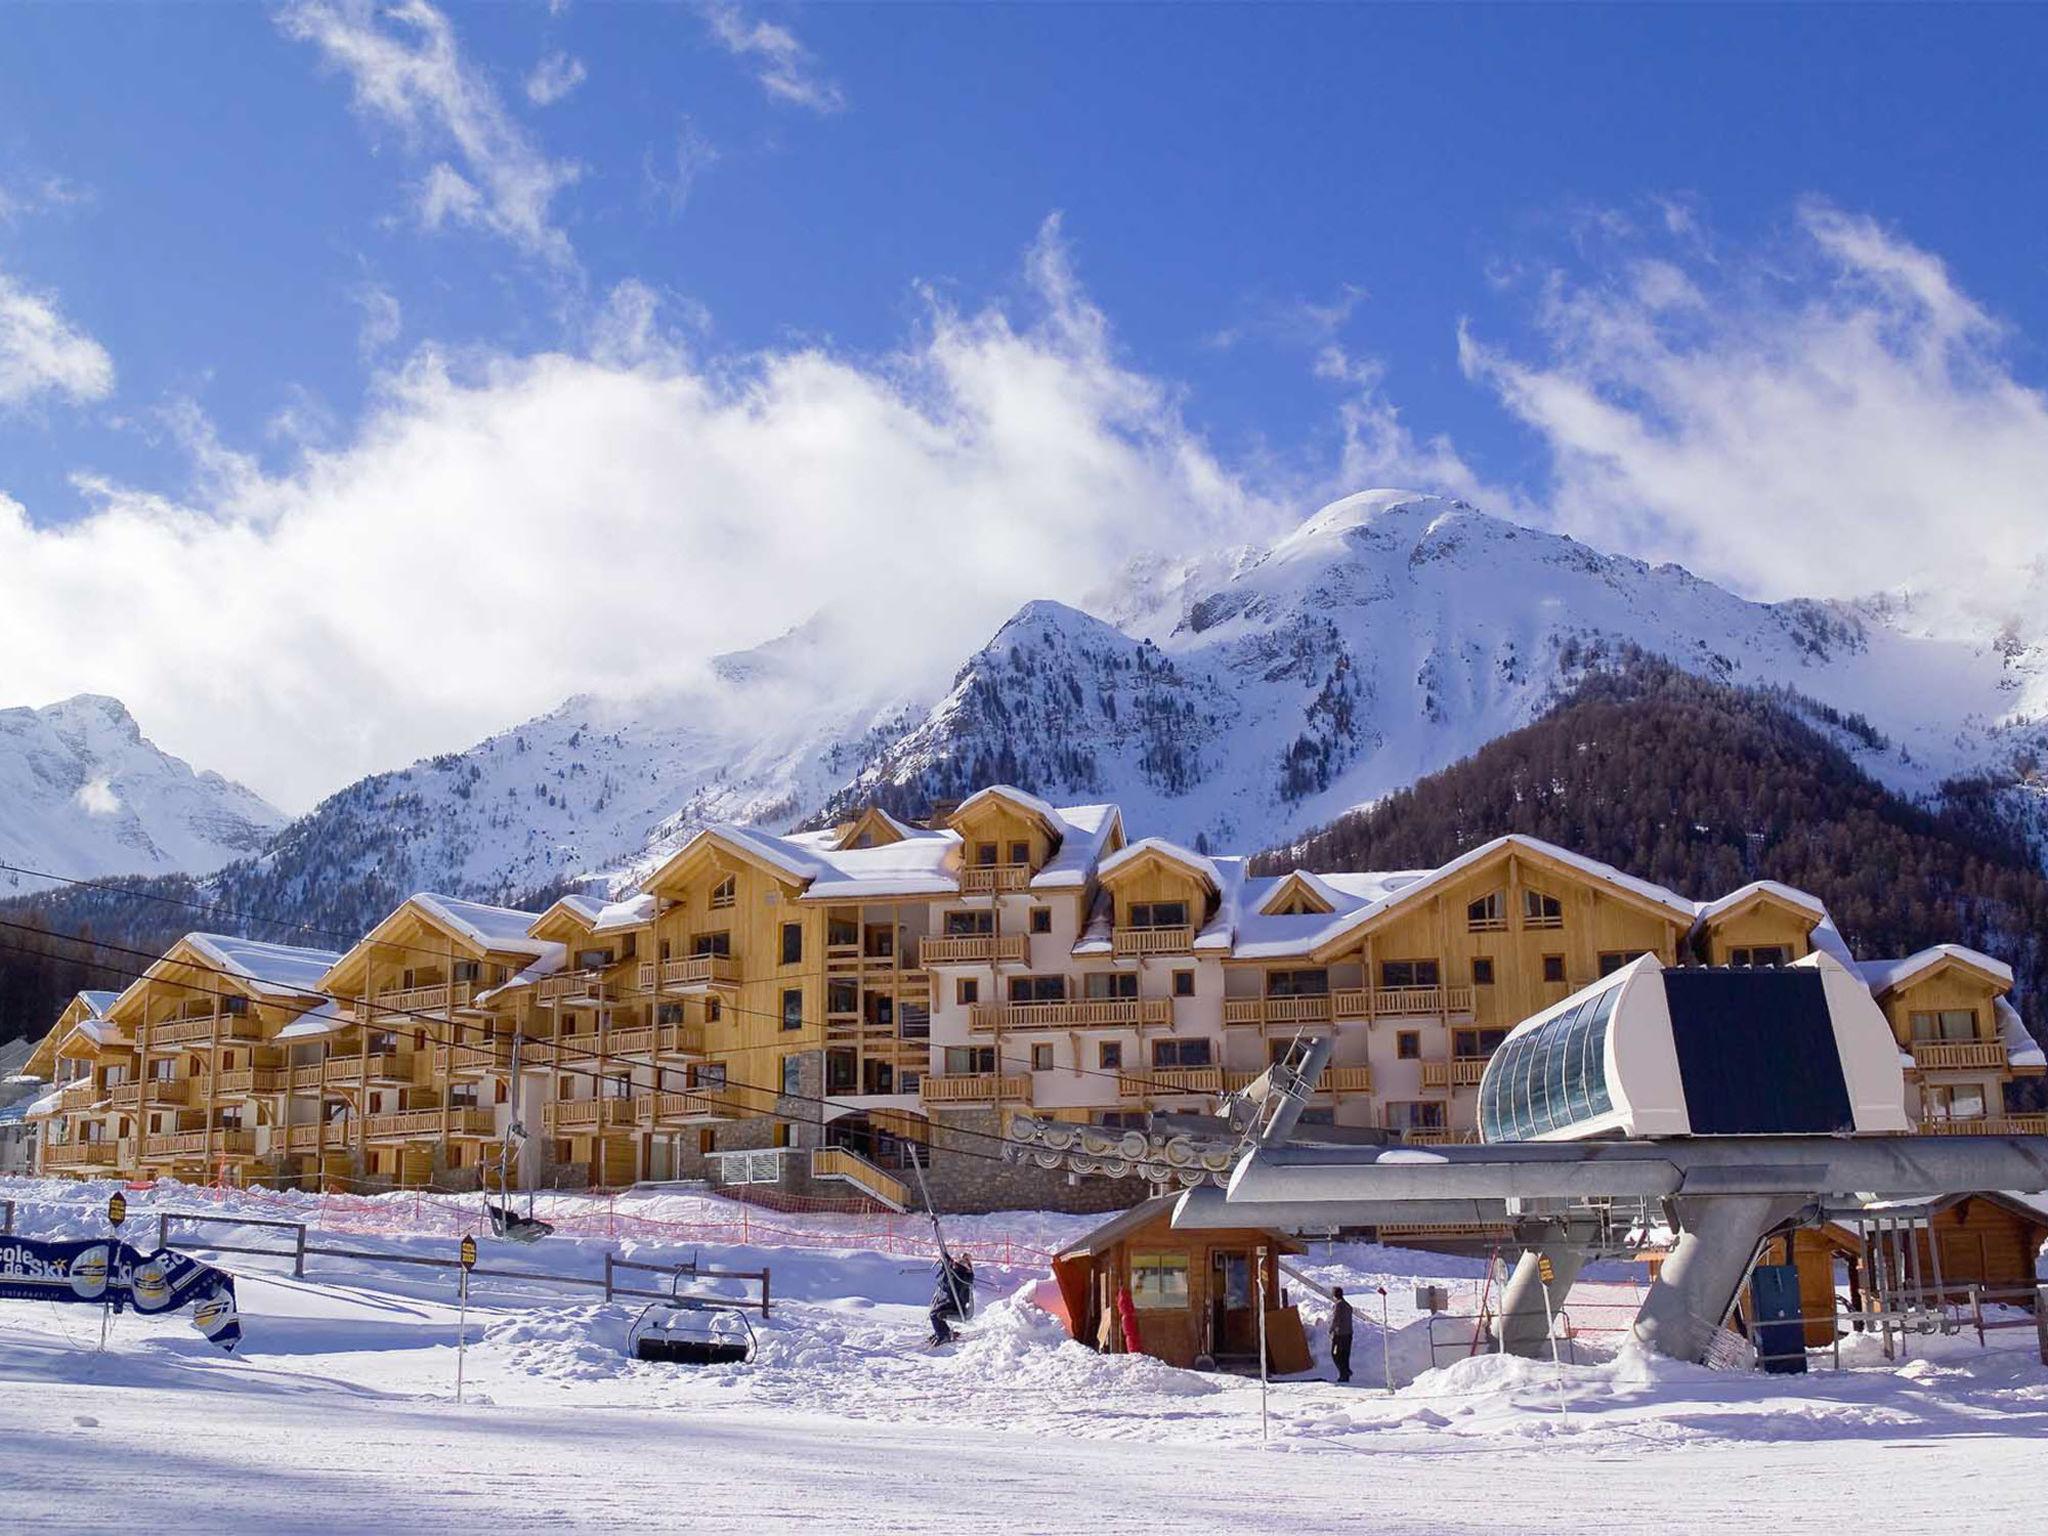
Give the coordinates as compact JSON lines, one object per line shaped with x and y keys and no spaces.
{"x":270,"y":270}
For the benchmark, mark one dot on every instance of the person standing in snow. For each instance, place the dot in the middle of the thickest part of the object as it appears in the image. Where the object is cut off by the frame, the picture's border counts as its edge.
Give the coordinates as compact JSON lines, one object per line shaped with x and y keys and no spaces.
{"x":953,"y":1297}
{"x":1340,"y":1333}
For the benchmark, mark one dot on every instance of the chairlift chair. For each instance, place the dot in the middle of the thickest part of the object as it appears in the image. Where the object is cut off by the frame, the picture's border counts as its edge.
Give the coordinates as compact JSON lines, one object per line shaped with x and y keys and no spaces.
{"x":686,"y":1330}
{"x":506,"y":1222}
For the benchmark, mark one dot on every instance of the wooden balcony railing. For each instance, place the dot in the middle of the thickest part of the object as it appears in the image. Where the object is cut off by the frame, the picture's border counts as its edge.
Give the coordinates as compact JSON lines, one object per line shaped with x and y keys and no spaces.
{"x":1153,"y":941}
{"x":590,"y":1114}
{"x":1987,"y":1125}
{"x":1466,"y":1071}
{"x":81,"y":1093}
{"x":125,"y":1096}
{"x":417,"y":1124}
{"x":383,"y":1067}
{"x":685,"y":1106}
{"x":692,"y":972}
{"x":1958,"y":1055}
{"x":233,"y":1026}
{"x":185,"y":1092}
{"x":657,"y":1039}
{"x":335,"y":1135}
{"x":575,"y":987}
{"x":983,"y":948}
{"x":81,"y":1154}
{"x":984,"y":879}
{"x":1101,"y":1013}
{"x":480,"y":1056}
{"x":1438,"y":1136}
{"x":440,"y":998}
{"x":311,"y":1075}
{"x":1335,"y":1081}
{"x":252,"y":1080}
{"x":218,"y":1143}
{"x":974,"y":1088}
{"x":1169,"y":1080}
{"x":1409,"y":1002}
{"x":851,"y":1168}
{"x":1278,"y":1010}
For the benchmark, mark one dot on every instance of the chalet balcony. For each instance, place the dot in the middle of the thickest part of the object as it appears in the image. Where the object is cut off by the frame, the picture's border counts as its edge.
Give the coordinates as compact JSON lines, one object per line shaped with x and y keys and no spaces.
{"x":1958,"y":1055}
{"x":1098,"y":1013}
{"x":693,"y":973}
{"x":427,"y":1124}
{"x":311,"y":1075}
{"x":1162,"y":1081}
{"x":1401,"y":1002}
{"x":1261,"y":1011}
{"x":232,"y":1026}
{"x":1458,"y":1072}
{"x":334,"y":1136}
{"x":1335,"y":1082}
{"x":185,"y":1092}
{"x":81,"y":1154}
{"x":1987,"y":1125}
{"x":383,"y":1067}
{"x":252,"y":1080}
{"x":976,"y":948}
{"x":658,"y":1039}
{"x":201,"y":1144}
{"x":1176,"y":940}
{"x":994,"y":879}
{"x":974,"y":1088}
{"x":481,"y":1056}
{"x":80,"y":1094}
{"x":568,"y":1116}
{"x":575,"y":989}
{"x":439,"y":999}
{"x":1438,"y":1136}
{"x":701,"y":1107}
{"x":124,"y":1096}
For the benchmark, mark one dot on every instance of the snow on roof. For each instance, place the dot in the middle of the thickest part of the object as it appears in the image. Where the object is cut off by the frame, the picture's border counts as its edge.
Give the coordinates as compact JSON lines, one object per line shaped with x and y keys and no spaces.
{"x":497,"y":928}
{"x":915,"y":866}
{"x":1791,"y":895}
{"x":324,"y":1020}
{"x":1278,"y":934}
{"x":777,"y":852}
{"x":584,"y":908}
{"x":1015,"y":796}
{"x":1085,"y":830}
{"x":1186,"y":857}
{"x":1883,"y":975}
{"x":550,"y":960}
{"x":278,"y":970}
{"x":2021,"y":1048}
{"x":97,"y":1003}
{"x":631,"y":912}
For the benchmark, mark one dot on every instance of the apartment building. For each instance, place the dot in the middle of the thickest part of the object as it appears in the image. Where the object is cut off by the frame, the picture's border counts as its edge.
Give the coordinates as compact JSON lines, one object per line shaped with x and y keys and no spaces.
{"x":850,"y":1009}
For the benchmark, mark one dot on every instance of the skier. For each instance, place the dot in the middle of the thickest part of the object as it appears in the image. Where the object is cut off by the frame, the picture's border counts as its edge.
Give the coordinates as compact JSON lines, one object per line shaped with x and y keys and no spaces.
{"x":953,"y":1297}
{"x":1340,"y":1333}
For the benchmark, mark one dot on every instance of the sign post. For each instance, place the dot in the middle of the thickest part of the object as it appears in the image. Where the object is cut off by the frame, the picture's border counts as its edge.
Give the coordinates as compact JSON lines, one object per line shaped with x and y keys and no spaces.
{"x":117,"y":1212}
{"x":1547,"y":1272}
{"x":1259,"y":1294}
{"x":467,"y":1254}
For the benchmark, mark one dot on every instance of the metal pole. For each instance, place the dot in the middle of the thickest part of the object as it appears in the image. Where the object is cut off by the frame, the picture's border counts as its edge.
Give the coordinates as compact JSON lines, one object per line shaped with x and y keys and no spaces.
{"x":1550,"y":1327}
{"x":1260,"y":1292}
{"x":461,"y":1333}
{"x":1386,"y":1344}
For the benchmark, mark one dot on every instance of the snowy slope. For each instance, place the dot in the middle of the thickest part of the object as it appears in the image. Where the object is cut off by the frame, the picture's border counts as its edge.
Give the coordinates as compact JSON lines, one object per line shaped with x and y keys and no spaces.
{"x":83,"y":792}
{"x":1391,"y":635}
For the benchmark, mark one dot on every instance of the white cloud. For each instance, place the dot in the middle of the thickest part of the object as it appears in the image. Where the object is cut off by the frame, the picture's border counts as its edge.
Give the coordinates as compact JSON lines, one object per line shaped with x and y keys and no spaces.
{"x":408,"y":72}
{"x":670,"y":177}
{"x":782,"y":64}
{"x":553,"y":78}
{"x":503,"y":531}
{"x":97,"y":798}
{"x":383,"y":319}
{"x":1831,"y":419}
{"x":42,"y":353}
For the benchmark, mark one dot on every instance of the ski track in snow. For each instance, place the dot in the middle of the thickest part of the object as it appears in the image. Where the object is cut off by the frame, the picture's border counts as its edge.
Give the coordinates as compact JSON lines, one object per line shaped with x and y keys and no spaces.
{"x":338,"y":1412}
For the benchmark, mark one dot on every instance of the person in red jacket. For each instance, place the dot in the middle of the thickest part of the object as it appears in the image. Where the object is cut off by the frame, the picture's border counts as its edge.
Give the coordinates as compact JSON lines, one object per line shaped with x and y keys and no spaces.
{"x":1127,"y":1321}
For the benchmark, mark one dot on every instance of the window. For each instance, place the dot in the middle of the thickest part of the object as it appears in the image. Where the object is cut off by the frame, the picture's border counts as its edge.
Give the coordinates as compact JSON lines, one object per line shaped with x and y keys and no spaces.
{"x":1416,"y":1115}
{"x":1297,"y":983}
{"x":792,"y":943}
{"x":782,"y":1133}
{"x":723,"y":893}
{"x":1408,"y":1045}
{"x":1487,"y":915}
{"x":708,"y":1075}
{"x":1038,"y":989}
{"x":1541,"y":911}
{"x":1482,"y":971}
{"x":1941,"y":1101}
{"x":792,"y":1076}
{"x":1553,"y":967}
{"x":970,"y":1060}
{"x":1948,"y":1024}
{"x":714,"y":1009}
{"x":1158,"y":914}
{"x":1106,"y":986}
{"x":792,"y":1007}
{"x":707,"y":1142}
{"x":1470,"y":1043}
{"x":669,"y":1013}
{"x":1109,"y":1055}
{"x":1612,"y":960}
{"x":1183,"y":983}
{"x":985,"y":854}
{"x":970,"y":925}
{"x":719,"y":943}
{"x":1395,"y":974}
{"x":1041,"y":1056}
{"x":1180,"y":1053}
{"x":234,"y":1006}
{"x":1551,"y":1076}
{"x":504,"y":1093}
{"x":842,"y":996}
{"x":1760,"y":954}
{"x":1041,"y":919}
{"x":1159,"y":1282}
{"x":1020,"y":853}
{"x":966,"y":990}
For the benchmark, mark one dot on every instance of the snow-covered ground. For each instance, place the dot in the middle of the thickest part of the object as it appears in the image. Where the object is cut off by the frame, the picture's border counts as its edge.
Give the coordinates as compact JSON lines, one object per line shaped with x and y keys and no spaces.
{"x":339,"y":1411}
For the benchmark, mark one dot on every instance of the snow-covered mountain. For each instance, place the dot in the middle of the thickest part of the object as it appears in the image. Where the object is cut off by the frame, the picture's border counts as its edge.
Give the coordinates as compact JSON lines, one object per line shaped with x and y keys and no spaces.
{"x":83,"y":792}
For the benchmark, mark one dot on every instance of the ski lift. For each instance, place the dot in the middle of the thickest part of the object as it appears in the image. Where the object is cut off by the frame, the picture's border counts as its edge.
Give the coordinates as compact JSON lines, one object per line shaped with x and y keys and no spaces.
{"x":506,"y":1222}
{"x":687,"y":1330}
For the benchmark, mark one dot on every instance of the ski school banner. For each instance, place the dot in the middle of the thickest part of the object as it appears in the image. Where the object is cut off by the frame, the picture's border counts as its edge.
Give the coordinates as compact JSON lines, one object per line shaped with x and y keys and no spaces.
{"x":111,"y":1273}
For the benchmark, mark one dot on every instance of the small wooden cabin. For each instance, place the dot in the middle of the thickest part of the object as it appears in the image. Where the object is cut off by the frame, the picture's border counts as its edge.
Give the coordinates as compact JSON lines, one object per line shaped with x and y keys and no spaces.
{"x":1989,"y":1240}
{"x":1195,"y":1293}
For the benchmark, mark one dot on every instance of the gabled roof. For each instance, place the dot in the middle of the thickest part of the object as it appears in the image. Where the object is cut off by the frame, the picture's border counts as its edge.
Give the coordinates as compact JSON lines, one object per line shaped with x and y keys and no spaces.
{"x":1029,"y":804}
{"x":1766,"y":891}
{"x":1143,"y":1215}
{"x":480,"y":927}
{"x":1297,"y":887}
{"x":1153,"y":848}
{"x":570,"y":914}
{"x":1889,"y":975}
{"x":282,"y":972}
{"x":877,"y":825}
{"x":1087,"y":833}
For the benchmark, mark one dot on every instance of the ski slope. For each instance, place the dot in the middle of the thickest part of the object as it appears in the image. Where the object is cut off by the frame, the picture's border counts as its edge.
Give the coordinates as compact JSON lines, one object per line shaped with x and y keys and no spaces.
{"x":339,"y":1410}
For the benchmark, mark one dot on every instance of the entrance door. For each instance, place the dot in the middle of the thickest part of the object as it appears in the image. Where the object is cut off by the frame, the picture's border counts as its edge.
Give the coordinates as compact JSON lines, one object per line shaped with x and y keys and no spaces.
{"x":1233,"y":1324}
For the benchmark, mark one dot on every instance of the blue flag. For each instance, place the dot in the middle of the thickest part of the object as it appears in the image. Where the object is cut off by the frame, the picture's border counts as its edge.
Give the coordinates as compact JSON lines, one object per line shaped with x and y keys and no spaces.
{"x":110,"y":1273}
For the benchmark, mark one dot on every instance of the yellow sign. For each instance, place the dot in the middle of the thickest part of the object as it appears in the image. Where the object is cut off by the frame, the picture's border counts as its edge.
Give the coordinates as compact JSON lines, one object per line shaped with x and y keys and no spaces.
{"x":117,"y":1208}
{"x":1545,"y":1269}
{"x":469,"y":1253}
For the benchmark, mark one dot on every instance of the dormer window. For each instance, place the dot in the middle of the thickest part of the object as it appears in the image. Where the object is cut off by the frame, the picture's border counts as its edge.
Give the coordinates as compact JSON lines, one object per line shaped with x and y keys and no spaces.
{"x":985,"y":855}
{"x":1020,"y":853}
{"x":1541,"y":911}
{"x":1158,"y":914}
{"x":1488,"y":914}
{"x":724,"y":893}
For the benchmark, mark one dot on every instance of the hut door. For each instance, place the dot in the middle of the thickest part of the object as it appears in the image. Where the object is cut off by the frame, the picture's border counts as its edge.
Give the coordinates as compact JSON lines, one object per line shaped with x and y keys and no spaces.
{"x":1963,"y":1260}
{"x":1234,"y":1327}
